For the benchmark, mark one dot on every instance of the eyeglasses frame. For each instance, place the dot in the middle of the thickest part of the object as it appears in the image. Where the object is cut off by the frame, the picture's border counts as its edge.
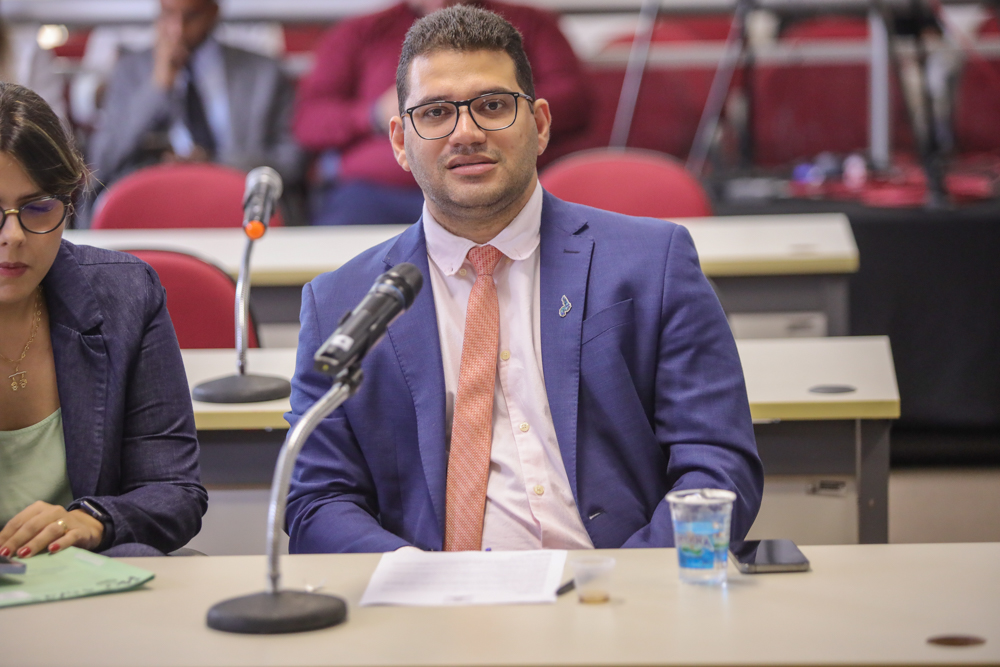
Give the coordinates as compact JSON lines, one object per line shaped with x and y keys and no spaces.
{"x":16,"y":212}
{"x":467,"y":103}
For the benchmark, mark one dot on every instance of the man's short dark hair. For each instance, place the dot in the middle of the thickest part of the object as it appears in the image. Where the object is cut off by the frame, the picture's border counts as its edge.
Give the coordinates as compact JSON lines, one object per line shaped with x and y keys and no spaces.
{"x":462,"y":28}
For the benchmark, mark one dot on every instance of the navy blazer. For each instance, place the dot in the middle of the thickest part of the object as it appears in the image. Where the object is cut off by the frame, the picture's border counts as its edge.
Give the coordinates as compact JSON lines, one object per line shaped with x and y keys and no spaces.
{"x":131,"y":445}
{"x":642,"y":375}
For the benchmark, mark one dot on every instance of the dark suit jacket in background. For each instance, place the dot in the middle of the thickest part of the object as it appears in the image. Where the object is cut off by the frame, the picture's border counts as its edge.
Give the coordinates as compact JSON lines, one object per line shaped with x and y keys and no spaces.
{"x":131,"y":445}
{"x":260,"y":109}
{"x":642,"y":375}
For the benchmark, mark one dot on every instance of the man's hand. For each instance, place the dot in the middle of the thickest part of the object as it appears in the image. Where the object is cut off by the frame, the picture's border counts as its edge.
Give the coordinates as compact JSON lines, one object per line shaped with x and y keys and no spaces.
{"x":170,"y":55}
{"x":42,"y":526}
{"x":386,"y":106}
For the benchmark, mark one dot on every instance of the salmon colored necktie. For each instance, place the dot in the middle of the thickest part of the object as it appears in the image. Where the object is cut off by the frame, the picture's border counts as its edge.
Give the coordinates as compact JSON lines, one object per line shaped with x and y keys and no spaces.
{"x":472,"y":424}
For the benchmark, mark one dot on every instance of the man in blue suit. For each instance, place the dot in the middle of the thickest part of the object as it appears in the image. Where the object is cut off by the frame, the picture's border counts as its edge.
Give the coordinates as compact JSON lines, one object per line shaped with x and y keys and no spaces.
{"x":563,"y":367}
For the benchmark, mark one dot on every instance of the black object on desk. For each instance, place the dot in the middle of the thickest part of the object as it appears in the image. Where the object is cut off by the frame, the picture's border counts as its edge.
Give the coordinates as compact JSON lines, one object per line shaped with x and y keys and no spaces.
{"x":8,"y":566}
{"x":761,"y":556}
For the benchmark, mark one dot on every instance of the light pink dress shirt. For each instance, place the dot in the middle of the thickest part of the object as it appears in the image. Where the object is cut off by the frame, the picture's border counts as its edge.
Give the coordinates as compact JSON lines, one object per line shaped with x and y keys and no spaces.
{"x":529,"y":502}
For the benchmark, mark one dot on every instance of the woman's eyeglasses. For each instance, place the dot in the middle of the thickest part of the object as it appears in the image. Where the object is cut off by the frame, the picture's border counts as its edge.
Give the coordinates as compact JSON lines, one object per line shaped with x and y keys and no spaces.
{"x":39,"y":216}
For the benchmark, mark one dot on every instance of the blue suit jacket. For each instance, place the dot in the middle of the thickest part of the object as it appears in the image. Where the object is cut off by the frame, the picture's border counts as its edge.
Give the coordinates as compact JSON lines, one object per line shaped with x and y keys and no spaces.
{"x":131,"y":445}
{"x":642,"y":376}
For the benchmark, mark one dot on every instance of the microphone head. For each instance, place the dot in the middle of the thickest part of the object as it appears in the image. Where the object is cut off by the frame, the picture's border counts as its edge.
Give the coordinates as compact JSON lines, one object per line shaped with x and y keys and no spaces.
{"x":408,"y":279}
{"x":263,"y":175}
{"x":255,"y":229}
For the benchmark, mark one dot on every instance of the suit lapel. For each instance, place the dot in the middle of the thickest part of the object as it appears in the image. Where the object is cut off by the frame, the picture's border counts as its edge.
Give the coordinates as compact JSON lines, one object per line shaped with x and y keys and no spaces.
{"x":565,"y":269}
{"x":81,"y":363}
{"x":414,"y":337}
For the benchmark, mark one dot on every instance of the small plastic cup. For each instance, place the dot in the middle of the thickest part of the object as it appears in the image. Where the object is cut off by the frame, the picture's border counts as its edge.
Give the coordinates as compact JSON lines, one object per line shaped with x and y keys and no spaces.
{"x":592,"y":578}
{"x":701,"y":533}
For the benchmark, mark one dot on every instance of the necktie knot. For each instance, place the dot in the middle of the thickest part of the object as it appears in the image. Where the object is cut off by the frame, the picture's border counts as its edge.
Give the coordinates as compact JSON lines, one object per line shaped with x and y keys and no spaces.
{"x":484,"y":259}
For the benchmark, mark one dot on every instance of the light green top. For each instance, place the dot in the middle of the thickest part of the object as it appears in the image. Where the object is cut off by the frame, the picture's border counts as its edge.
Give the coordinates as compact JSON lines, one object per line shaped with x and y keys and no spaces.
{"x":33,"y":466}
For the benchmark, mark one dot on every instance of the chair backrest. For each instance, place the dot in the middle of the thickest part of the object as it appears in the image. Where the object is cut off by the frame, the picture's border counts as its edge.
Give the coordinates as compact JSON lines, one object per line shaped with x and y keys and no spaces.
{"x":173,"y":196}
{"x":670,"y":100}
{"x":826,"y":27}
{"x":694,"y":28}
{"x":803,"y":109}
{"x":633,"y":182}
{"x":201,"y":299}
{"x":977,"y":99}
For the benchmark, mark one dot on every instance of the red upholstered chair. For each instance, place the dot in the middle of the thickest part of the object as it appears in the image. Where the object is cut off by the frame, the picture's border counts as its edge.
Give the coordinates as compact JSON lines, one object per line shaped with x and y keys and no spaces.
{"x":201,"y":299}
{"x":801,"y":110}
{"x":173,"y":196}
{"x":634,"y":182}
{"x":977,"y":100}
{"x":671,"y":99}
{"x":695,"y":28}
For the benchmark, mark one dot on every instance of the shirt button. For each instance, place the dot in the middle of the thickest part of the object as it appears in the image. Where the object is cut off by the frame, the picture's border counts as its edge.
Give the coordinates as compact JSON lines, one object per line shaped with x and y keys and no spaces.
{"x":505,"y":355}
{"x":524,"y":427}
{"x":463,"y":272}
{"x":539,"y":489}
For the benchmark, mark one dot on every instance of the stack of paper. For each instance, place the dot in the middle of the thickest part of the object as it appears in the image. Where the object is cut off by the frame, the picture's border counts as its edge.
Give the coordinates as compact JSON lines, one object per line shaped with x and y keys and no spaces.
{"x":465,"y":578}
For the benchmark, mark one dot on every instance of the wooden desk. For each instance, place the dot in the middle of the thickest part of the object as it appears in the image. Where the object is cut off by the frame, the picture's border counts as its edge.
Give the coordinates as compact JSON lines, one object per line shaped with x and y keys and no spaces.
{"x":859,"y":605}
{"x":759,"y":264}
{"x":798,"y":432}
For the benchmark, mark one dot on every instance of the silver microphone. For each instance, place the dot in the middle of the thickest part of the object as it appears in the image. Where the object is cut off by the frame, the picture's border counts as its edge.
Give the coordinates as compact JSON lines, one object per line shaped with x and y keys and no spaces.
{"x":260,"y":199}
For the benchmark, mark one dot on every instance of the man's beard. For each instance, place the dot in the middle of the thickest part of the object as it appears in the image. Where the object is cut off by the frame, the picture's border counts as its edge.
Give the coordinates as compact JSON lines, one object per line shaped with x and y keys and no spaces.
{"x":476,"y":203}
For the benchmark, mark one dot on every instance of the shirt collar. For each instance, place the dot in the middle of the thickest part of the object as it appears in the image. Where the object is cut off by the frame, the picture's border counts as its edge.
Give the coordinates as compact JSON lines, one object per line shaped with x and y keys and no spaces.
{"x":517,"y":240}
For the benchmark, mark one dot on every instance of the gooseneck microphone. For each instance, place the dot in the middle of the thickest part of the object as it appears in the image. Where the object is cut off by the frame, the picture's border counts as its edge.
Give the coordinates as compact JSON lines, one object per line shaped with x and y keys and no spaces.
{"x":359,"y":329}
{"x":275,"y":610}
{"x":263,"y":189}
{"x":260,"y":199}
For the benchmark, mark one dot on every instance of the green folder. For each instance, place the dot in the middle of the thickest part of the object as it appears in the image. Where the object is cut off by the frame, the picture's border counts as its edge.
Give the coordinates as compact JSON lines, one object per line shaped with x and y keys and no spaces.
{"x":71,"y":573}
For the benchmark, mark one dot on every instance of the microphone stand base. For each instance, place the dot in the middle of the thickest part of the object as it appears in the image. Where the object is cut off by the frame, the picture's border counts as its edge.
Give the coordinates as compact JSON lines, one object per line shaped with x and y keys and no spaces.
{"x":242,"y":389}
{"x":277,"y":613}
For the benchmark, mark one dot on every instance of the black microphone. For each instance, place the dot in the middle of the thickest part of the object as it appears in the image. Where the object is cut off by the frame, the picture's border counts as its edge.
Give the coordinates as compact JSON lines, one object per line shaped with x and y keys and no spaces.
{"x":359,"y":329}
{"x":260,"y":198}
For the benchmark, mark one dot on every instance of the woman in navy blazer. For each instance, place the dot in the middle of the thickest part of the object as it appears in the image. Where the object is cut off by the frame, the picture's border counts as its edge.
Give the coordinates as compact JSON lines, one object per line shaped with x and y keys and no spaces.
{"x":87,"y":335}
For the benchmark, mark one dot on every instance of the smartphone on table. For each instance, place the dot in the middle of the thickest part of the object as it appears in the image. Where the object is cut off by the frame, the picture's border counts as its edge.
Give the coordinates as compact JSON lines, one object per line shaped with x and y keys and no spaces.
{"x":761,"y":556}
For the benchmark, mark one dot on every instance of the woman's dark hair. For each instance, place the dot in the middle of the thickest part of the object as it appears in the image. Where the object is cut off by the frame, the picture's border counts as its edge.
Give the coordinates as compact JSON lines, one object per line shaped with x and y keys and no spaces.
{"x":31,"y":133}
{"x":462,"y":28}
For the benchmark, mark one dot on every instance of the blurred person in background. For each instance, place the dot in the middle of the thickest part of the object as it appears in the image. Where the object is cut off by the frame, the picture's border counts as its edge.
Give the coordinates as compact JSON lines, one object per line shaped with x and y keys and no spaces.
{"x":345,"y":104}
{"x":107,"y":43}
{"x":192,"y":98}
{"x":24,"y":62}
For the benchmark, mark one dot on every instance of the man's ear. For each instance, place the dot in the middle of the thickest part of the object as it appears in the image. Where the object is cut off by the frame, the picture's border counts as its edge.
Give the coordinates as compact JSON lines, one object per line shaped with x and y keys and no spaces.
{"x":397,"y":138}
{"x":543,"y":121}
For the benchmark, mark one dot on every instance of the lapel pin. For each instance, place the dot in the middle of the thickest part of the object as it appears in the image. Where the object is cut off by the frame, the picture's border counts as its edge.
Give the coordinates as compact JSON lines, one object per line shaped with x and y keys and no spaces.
{"x":566,"y":305}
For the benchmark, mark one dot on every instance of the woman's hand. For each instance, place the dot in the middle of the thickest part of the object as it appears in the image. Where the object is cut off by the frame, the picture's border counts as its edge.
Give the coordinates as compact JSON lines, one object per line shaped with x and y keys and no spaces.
{"x":42,"y":526}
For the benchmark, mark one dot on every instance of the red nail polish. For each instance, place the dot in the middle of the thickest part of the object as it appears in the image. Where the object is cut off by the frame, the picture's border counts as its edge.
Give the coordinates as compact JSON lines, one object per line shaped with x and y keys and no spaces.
{"x":4,"y":552}
{"x":54,"y":548}
{"x":23,"y":552}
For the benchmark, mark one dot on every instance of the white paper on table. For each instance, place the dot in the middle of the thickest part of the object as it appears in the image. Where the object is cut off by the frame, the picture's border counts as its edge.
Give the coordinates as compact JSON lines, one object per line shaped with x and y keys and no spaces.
{"x":465,"y":578}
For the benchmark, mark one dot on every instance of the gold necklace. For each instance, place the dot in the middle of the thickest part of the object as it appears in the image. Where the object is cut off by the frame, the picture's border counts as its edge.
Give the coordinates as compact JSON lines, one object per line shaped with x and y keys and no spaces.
{"x":19,"y":379}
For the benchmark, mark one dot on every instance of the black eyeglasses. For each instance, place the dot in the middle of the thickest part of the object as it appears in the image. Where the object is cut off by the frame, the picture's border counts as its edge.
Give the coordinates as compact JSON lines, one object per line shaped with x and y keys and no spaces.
{"x":490,"y":112}
{"x":39,"y":216}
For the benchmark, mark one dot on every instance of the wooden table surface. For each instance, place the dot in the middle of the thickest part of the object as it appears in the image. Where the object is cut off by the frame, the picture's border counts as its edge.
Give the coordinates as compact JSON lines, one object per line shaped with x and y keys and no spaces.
{"x":779,"y":375}
{"x":870,"y":604}
{"x":727,"y":246}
